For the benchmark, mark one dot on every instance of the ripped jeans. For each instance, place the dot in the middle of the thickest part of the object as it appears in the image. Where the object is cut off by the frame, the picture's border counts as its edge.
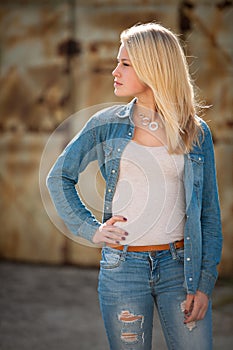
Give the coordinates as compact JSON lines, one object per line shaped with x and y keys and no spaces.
{"x":131,"y":283}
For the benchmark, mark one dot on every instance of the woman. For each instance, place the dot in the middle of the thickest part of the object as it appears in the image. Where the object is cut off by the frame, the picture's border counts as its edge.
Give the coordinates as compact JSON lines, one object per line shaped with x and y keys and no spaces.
{"x":161,"y":231}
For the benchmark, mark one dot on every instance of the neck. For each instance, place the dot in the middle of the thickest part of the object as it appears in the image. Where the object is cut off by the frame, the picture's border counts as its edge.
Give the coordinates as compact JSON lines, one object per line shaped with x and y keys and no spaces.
{"x":146,"y":101}
{"x":145,"y":110}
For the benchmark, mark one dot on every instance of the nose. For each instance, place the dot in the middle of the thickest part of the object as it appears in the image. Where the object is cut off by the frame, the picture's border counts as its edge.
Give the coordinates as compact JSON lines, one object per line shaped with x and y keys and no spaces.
{"x":116,"y":72}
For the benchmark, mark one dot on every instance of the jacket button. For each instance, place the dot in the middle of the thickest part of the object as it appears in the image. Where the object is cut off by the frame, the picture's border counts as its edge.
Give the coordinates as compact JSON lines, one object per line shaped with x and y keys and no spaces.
{"x":113,"y":171}
{"x":118,"y":149}
{"x":188,"y":238}
{"x":190,"y":279}
{"x":188,"y":259}
{"x":109,"y":190}
{"x":129,"y":133}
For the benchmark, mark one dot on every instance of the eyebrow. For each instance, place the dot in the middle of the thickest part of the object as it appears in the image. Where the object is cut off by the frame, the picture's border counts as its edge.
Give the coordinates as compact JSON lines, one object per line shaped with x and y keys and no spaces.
{"x":122,"y":59}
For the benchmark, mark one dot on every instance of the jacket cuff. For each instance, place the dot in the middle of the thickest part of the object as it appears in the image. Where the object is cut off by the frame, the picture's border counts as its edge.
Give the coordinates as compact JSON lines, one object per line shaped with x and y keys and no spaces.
{"x":88,"y":229}
{"x":206,"y":283}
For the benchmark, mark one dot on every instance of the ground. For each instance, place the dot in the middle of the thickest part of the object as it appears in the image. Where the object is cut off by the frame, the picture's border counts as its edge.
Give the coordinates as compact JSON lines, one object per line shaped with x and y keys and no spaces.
{"x":56,"y":308}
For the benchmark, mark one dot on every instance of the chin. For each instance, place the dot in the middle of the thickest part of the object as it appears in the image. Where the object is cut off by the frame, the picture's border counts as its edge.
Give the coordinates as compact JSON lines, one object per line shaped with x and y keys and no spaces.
{"x":120,"y":93}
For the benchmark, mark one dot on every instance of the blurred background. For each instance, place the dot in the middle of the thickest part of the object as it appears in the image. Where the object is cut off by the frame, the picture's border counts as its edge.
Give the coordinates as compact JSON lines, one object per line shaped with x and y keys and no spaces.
{"x":56,"y":58}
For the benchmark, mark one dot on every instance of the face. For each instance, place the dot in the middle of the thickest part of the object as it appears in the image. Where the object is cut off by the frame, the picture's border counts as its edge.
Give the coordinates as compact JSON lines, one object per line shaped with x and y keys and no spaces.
{"x":126,"y":82}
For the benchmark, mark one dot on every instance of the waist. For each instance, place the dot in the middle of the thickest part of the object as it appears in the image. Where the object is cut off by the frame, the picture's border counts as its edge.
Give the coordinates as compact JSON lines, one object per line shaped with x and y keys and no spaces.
{"x":147,"y":248}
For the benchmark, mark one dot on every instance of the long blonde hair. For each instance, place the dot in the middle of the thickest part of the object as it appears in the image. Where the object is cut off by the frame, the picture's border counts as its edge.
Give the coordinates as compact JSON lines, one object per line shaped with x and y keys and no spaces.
{"x":159,"y":61}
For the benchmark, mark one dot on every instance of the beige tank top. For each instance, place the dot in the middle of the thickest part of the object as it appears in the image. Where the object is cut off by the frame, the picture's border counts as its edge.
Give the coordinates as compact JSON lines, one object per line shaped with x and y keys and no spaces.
{"x":150,"y":194}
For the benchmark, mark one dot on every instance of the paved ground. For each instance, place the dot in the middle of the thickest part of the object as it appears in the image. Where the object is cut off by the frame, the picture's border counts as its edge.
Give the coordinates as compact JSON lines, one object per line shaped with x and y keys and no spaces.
{"x":56,"y":308}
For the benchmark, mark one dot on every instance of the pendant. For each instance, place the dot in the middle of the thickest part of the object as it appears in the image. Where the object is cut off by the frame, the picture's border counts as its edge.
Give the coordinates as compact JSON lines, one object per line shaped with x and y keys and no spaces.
{"x":153,"y":126}
{"x":145,"y":120}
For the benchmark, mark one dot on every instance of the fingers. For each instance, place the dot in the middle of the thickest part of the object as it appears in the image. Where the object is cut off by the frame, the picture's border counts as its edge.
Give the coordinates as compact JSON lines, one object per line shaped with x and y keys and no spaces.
{"x":108,"y":236}
{"x":113,"y":234}
{"x":112,"y":239}
{"x":189,"y":303}
{"x":115,"y":219}
{"x":188,"y":306}
{"x":196,"y":310}
{"x":108,"y":233}
{"x":117,"y":230}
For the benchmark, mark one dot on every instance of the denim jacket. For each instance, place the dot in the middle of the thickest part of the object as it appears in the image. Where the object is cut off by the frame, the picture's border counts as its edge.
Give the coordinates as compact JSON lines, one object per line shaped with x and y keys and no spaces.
{"x":104,"y":138}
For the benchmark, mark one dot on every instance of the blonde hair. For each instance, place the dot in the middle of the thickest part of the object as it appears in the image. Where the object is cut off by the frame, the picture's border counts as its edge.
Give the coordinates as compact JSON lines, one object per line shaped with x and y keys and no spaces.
{"x":159,"y":61}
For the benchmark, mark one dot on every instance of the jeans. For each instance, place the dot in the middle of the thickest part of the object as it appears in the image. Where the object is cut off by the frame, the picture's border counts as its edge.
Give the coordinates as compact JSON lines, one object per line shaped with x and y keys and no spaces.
{"x":131,"y":284}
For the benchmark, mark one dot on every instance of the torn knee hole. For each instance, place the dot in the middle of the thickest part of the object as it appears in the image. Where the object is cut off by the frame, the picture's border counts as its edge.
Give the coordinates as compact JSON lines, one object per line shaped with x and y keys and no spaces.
{"x":132,"y":325}
{"x":127,"y":317}
{"x":129,"y":337}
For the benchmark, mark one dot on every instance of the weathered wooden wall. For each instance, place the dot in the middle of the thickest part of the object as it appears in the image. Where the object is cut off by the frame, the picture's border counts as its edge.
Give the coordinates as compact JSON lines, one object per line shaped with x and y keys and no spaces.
{"x":56,"y":58}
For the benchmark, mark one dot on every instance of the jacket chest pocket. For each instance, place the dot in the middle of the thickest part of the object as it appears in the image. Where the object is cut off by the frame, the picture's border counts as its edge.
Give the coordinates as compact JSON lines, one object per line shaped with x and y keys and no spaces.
{"x":197,"y":161}
{"x":108,"y":149}
{"x":112,"y":150}
{"x":111,"y":159}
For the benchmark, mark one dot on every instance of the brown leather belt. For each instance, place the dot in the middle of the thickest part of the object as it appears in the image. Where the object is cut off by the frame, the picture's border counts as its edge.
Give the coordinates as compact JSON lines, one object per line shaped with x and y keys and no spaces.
{"x":147,"y":248}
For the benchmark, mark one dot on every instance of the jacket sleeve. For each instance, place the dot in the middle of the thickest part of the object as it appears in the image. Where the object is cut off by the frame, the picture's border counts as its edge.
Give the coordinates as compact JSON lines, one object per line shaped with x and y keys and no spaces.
{"x":210,"y":219}
{"x":63,"y":177}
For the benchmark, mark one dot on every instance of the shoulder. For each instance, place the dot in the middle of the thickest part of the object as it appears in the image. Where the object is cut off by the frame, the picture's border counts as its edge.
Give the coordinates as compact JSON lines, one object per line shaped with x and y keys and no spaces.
{"x":100,"y":122}
{"x":115,"y":113}
{"x":203,"y":124}
{"x":108,"y":113}
{"x":205,"y":135}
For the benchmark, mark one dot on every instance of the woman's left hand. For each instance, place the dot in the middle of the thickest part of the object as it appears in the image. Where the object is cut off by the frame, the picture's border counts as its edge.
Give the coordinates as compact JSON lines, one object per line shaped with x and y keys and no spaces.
{"x":196,"y":307}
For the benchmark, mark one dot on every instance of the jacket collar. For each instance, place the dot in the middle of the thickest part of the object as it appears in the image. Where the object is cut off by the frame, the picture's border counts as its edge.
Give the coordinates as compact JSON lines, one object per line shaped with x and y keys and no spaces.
{"x":127,"y":110}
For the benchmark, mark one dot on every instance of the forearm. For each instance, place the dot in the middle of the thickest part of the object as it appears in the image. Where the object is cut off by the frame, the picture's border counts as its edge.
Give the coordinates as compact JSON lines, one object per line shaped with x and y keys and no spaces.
{"x":210,"y":222}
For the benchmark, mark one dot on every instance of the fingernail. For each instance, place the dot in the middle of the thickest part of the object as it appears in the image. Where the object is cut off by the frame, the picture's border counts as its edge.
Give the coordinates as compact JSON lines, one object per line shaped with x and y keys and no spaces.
{"x":117,"y":242}
{"x":126,"y":234}
{"x":186,"y":312}
{"x":123,"y":238}
{"x":125,"y":219}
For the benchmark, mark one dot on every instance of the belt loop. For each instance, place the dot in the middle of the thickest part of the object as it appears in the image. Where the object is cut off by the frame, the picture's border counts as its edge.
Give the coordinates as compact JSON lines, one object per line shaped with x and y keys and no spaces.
{"x":124,"y":252}
{"x":173,"y":251}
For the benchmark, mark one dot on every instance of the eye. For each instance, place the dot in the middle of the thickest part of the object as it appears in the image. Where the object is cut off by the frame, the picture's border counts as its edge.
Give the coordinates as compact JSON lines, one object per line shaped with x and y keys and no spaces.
{"x":126,"y":64}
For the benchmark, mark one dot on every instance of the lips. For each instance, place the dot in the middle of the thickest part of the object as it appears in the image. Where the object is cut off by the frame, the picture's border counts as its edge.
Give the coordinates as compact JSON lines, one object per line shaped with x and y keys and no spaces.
{"x":116,"y":83}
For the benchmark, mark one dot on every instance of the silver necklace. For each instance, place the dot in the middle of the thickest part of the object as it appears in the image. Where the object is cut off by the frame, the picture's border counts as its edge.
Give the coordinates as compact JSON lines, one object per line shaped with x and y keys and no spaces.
{"x":146,"y":121}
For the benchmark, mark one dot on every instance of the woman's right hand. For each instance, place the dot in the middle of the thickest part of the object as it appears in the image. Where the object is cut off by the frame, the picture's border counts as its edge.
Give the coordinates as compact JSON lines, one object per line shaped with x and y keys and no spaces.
{"x":108,"y":233}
